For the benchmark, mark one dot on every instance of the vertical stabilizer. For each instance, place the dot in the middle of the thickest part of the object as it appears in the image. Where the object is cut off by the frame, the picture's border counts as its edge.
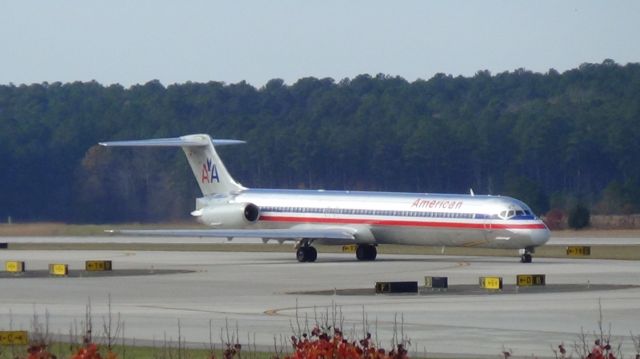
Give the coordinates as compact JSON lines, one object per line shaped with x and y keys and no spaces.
{"x":210,"y":173}
{"x":208,"y":169}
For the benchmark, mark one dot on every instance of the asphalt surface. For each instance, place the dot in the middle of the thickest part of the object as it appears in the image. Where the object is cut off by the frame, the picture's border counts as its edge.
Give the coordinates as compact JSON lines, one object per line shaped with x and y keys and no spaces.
{"x":267,"y":296}
{"x":587,"y":241}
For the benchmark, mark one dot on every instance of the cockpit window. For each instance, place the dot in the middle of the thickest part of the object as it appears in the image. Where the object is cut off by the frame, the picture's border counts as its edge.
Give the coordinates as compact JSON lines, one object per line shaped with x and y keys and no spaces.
{"x":515,"y":211}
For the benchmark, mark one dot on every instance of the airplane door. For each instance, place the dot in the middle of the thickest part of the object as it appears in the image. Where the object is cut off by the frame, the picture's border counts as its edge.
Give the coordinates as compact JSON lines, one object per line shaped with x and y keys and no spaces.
{"x":488,"y":230}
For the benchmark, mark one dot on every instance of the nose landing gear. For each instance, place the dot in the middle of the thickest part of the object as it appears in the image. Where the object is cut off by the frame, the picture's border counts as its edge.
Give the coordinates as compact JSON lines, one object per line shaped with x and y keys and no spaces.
{"x":526,"y":255}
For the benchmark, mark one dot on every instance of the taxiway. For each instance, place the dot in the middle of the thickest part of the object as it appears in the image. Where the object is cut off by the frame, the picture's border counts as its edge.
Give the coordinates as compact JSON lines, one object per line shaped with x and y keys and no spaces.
{"x":253,"y":291}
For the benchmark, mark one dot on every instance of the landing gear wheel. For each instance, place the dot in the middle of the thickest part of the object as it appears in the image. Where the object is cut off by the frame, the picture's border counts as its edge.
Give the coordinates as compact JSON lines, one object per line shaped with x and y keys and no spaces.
{"x":306,"y":254}
{"x":312,"y":254}
{"x":526,"y":254}
{"x":300,"y":255}
{"x":366,"y":252}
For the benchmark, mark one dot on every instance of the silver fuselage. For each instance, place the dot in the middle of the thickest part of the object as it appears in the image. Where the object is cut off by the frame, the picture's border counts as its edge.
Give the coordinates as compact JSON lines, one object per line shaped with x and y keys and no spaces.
{"x":399,"y":218}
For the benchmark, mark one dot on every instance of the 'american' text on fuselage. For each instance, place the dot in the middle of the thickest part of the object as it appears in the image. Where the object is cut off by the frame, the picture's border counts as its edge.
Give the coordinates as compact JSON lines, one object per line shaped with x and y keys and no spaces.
{"x":425,"y":203}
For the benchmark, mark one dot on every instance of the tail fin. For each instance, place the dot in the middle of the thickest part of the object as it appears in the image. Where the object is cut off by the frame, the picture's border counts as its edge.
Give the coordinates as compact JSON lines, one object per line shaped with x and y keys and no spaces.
{"x":208,"y":169}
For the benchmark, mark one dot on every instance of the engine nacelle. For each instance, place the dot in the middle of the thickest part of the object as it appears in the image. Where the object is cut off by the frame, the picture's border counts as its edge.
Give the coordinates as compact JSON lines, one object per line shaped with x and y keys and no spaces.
{"x":229,"y":215}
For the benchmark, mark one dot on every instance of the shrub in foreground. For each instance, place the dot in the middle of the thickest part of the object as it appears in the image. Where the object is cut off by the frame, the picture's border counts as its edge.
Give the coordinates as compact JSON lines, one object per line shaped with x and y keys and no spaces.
{"x":326,"y":345}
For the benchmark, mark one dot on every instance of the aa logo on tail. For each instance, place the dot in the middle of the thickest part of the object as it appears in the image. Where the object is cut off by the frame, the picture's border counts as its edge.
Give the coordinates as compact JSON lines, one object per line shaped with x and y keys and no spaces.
{"x":209,"y":172}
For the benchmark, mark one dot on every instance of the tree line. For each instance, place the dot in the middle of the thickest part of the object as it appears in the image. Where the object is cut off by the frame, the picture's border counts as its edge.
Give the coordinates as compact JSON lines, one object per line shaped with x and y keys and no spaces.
{"x":552,"y":140}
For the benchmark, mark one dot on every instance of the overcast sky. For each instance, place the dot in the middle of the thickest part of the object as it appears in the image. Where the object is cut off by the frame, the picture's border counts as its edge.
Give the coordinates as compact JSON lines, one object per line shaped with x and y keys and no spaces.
{"x":135,"y":41}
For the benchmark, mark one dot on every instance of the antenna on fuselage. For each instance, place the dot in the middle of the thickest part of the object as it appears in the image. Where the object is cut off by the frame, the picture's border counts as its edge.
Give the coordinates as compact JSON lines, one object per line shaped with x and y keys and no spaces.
{"x":471,"y":192}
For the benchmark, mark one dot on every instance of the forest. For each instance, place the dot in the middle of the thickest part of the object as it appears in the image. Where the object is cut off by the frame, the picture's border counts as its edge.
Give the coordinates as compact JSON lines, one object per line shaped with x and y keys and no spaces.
{"x":550,"y":139}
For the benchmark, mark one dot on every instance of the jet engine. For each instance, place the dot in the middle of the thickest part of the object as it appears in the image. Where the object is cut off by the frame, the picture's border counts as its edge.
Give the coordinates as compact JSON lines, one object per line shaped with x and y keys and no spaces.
{"x":228,"y":215}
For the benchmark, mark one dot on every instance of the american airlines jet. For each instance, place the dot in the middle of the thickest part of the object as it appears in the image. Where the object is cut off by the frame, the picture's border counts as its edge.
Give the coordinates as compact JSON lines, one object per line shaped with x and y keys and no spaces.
{"x":362,"y":219}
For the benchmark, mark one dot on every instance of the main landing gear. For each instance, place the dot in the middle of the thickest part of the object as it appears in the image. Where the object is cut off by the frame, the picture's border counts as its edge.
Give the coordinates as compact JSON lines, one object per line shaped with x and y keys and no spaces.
{"x":526,"y":255}
{"x":306,"y":253}
{"x":366,"y":252}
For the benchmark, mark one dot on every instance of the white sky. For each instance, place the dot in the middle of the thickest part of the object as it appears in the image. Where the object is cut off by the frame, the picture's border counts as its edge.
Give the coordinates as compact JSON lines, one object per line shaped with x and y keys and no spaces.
{"x":135,"y":41}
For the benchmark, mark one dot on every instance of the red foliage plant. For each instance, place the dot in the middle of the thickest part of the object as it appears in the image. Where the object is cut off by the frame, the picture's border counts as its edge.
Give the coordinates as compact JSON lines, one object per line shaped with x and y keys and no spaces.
{"x":39,"y":351}
{"x":324,"y":345}
{"x":91,"y":351}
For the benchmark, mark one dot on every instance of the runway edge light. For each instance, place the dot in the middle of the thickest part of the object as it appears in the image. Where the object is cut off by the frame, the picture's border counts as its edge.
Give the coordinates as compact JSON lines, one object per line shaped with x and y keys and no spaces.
{"x":14,"y":266}
{"x":436,"y":282}
{"x":98,"y":266}
{"x":14,"y":337}
{"x":578,"y":251}
{"x":58,"y":269}
{"x":530,"y":280}
{"x":491,"y":283}
{"x":349,"y":248}
{"x":396,"y":287}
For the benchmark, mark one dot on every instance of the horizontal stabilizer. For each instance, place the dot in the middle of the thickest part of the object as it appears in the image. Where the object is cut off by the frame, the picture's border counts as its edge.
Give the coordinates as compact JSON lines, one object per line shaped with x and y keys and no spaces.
{"x":171,"y":142}
{"x":206,"y":165}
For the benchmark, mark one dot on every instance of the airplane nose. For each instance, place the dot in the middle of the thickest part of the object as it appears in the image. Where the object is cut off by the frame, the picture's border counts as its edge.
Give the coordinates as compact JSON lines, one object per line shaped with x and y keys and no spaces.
{"x":540,"y":236}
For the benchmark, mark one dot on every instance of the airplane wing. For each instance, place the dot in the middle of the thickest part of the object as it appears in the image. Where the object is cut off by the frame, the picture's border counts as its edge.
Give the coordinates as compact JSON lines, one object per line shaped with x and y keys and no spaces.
{"x":337,"y":235}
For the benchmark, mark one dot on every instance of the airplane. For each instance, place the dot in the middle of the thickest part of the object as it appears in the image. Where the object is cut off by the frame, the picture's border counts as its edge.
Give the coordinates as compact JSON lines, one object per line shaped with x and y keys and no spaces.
{"x":361,"y":219}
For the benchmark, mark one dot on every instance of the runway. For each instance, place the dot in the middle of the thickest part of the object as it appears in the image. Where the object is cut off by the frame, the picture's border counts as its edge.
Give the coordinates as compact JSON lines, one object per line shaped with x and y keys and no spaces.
{"x":586,"y":241}
{"x":251,"y":290}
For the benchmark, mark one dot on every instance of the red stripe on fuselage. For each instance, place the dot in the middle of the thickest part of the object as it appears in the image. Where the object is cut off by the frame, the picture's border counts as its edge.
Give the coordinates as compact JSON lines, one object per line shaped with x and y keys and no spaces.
{"x":405,"y":223}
